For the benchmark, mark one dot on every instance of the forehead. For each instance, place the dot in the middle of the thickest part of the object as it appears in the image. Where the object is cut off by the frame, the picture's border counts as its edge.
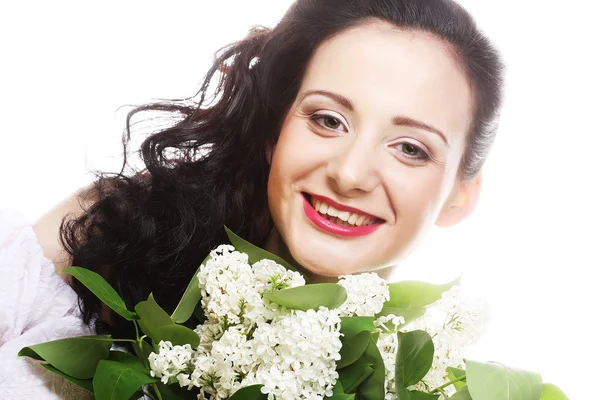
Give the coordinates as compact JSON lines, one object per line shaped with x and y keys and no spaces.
{"x":386,"y":72}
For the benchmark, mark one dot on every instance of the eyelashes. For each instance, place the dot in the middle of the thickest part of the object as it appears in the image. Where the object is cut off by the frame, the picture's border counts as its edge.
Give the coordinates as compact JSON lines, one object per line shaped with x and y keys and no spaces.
{"x":406,"y":149}
{"x":325,"y":120}
{"x":412,"y":151}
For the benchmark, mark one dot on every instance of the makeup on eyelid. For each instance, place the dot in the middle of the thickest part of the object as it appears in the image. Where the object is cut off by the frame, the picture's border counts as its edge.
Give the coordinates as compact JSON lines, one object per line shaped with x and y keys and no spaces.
{"x":425,"y":153}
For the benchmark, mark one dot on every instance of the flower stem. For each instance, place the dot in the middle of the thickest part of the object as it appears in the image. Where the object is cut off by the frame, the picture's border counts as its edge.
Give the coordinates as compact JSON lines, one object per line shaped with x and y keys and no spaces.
{"x":156,"y":391}
{"x":140,"y":343}
{"x":440,"y":388}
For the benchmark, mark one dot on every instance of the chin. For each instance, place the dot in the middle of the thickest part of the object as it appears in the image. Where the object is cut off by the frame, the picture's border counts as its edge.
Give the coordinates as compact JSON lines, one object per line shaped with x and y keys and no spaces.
{"x":326,"y":265}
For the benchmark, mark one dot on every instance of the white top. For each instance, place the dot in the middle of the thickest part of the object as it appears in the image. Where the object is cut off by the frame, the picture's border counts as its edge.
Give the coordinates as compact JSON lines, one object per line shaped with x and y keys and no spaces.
{"x":36,"y":306}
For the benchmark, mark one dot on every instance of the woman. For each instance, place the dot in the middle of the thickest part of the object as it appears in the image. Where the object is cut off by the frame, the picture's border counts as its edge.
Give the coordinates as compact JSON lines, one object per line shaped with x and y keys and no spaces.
{"x":335,"y":139}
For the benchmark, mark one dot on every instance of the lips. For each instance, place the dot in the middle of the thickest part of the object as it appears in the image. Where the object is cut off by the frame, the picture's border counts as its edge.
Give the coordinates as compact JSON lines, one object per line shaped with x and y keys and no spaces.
{"x":339,"y":219}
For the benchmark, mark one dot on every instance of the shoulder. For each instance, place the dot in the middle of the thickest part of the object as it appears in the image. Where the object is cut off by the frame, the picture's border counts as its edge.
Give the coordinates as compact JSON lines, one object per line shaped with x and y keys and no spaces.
{"x":32,"y":296}
{"x":36,"y":305}
{"x":47,"y":227}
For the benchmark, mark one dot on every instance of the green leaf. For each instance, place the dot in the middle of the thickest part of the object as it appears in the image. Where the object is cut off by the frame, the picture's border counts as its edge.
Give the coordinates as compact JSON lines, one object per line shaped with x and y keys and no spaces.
{"x":152,"y":317}
{"x":355,"y":338}
{"x":373,"y":388}
{"x":423,"y":396}
{"x":495,"y":381}
{"x":102,"y":289}
{"x":409,"y":295}
{"x":342,"y":396}
{"x":76,"y":356}
{"x":338,"y":388}
{"x":84,"y":383}
{"x":355,"y":374}
{"x":455,"y":373}
{"x":461,"y":394}
{"x":413,"y":358}
{"x":137,"y":395}
{"x":309,"y":297}
{"x":353,"y":348}
{"x":120,"y":377}
{"x":551,"y":392}
{"x":405,"y":394}
{"x":352,"y":326}
{"x":178,"y":335}
{"x":255,"y":253}
{"x":190,"y":298}
{"x":146,"y":350}
{"x":249,"y":393}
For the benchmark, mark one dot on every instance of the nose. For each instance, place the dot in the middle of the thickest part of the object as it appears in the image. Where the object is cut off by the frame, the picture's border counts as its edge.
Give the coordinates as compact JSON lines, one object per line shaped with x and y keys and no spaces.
{"x":354,"y":168}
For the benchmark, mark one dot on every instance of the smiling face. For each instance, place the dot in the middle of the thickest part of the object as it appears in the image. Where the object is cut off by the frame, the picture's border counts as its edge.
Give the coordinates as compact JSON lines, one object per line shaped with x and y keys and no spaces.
{"x":368,"y":154}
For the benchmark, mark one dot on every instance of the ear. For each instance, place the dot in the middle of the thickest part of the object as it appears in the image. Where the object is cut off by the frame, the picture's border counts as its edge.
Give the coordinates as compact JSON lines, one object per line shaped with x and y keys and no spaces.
{"x":460,"y":203}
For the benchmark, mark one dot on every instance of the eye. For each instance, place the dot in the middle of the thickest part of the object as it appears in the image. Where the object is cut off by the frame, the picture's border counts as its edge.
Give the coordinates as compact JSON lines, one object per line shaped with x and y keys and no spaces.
{"x":412,"y":152}
{"x":327,"y":121}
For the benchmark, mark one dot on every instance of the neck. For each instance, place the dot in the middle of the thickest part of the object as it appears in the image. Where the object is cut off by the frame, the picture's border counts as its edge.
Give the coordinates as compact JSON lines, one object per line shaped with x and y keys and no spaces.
{"x":277,"y":246}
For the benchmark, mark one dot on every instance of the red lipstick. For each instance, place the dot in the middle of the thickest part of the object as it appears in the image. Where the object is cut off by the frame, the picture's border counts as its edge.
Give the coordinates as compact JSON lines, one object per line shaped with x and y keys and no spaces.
{"x":332,"y":227}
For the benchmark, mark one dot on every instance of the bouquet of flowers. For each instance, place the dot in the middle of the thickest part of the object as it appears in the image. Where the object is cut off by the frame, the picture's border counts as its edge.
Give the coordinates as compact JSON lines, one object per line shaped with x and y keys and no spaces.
{"x":249,"y":326}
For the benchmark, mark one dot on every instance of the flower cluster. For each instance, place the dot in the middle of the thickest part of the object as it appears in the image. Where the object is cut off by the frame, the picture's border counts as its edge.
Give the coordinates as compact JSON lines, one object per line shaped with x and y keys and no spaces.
{"x":263,"y":332}
{"x":247,"y":340}
{"x":170,"y":361}
{"x":454,"y":322}
{"x":366,"y":294}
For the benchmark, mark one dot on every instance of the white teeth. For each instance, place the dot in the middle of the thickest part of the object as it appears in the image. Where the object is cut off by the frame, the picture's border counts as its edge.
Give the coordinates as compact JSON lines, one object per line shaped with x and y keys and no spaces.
{"x":344,"y":215}
{"x":323,"y":208}
{"x":352,"y":219}
{"x":360,"y":220}
{"x":343,"y":218}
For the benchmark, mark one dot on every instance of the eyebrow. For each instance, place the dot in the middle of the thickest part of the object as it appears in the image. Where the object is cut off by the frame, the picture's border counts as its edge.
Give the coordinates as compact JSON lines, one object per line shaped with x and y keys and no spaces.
{"x":400,"y":120}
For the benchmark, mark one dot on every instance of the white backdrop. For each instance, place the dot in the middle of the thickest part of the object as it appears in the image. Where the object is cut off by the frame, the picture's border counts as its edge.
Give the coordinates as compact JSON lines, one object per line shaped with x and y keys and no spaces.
{"x":530,"y":246}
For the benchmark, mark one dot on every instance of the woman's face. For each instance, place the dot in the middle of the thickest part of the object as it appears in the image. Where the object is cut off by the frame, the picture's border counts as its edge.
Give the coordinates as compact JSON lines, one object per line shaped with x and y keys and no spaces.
{"x":373,"y":141}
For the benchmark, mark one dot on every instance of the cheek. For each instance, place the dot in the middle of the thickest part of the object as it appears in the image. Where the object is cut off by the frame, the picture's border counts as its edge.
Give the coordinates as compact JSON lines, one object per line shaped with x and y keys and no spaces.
{"x":290,"y":162}
{"x":296,"y":154}
{"x":416,"y":195}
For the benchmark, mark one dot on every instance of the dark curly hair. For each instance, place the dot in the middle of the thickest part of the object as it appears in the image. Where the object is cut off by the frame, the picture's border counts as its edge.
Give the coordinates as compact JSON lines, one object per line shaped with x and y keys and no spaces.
{"x":149,"y":230}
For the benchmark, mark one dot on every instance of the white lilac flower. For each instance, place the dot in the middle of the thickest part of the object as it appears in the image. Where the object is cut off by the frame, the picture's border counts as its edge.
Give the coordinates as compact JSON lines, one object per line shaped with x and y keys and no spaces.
{"x":388,"y":345}
{"x":217,"y":372}
{"x":271,"y":276}
{"x":205,"y":376}
{"x":389,"y":320}
{"x":247,"y":340}
{"x":366,"y":294}
{"x":209,"y":332}
{"x":296,"y":355}
{"x":170,"y":361}
{"x":454,"y":322}
{"x":227,"y":286}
